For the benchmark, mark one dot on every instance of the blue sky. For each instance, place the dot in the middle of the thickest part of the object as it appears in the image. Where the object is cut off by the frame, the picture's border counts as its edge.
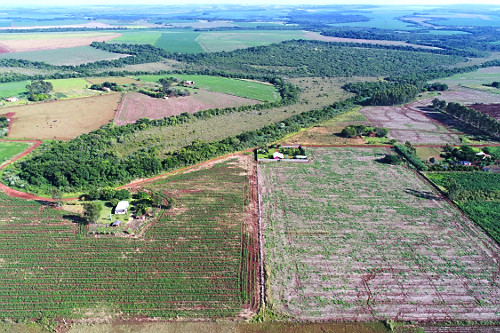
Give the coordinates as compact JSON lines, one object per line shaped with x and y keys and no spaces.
{"x":37,"y":3}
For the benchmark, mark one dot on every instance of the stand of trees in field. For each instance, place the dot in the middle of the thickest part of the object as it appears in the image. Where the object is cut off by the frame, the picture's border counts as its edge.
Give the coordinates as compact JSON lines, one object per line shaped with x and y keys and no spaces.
{"x":382,"y":92}
{"x":470,"y":116}
{"x":90,"y":160}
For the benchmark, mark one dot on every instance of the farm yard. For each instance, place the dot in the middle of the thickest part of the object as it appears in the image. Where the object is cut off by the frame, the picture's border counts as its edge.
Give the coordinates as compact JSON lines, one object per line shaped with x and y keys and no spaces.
{"x":369,"y":241}
{"x":197,"y":260}
{"x":243,"y":88}
{"x":135,"y":105}
{"x":62,"y":119}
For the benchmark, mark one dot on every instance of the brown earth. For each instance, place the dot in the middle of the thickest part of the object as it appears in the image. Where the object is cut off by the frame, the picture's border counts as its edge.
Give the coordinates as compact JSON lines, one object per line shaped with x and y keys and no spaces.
{"x":52,"y":43}
{"x":135,"y":105}
{"x":492,"y":110}
{"x":418,"y":123}
{"x":62,"y":120}
{"x":317,"y":36}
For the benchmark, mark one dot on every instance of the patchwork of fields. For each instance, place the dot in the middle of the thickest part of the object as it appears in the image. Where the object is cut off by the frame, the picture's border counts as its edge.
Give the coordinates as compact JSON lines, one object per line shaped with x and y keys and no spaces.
{"x":197,"y":260}
{"x":349,"y":238}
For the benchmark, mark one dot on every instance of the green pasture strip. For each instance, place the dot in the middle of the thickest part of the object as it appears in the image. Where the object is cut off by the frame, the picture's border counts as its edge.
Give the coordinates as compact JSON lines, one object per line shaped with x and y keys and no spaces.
{"x":138,"y":37}
{"x":69,"y":84}
{"x":67,"y":56}
{"x":13,"y":89}
{"x":11,"y":149}
{"x":229,"y":41}
{"x":241,"y":88}
{"x":182,"y":42}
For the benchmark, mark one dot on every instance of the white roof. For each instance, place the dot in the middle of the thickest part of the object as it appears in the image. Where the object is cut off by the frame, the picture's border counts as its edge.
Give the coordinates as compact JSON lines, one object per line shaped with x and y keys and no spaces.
{"x":122,"y":205}
{"x":276,"y":154}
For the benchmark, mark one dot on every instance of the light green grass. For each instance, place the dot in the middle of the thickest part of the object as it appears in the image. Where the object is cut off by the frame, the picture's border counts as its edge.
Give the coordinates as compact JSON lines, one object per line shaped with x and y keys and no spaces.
{"x":69,"y":84}
{"x":12,"y":89}
{"x":241,"y":88}
{"x":183,"y":42}
{"x":229,"y":41}
{"x":68,"y":56}
{"x":475,"y":79}
{"x":138,"y":37}
{"x":11,"y":149}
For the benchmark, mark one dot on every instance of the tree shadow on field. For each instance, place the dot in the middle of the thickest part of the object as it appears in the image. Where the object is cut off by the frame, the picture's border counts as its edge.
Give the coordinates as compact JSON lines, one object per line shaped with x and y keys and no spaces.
{"x":74,"y":219}
{"x":448,"y":121}
{"x":423,"y":194}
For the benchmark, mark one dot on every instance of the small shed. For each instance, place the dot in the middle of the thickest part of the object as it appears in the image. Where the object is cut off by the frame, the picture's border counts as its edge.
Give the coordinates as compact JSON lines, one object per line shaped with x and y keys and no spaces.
{"x":278,"y":156}
{"x":301,"y":157}
{"x":122,"y":207}
{"x":117,"y":223}
{"x":466,"y":163}
{"x":12,"y":99}
{"x":189,"y":83}
{"x":106,"y":89}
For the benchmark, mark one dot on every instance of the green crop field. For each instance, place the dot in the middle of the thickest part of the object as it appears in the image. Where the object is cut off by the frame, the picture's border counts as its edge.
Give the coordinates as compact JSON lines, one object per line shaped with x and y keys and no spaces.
{"x":229,"y":41}
{"x":12,"y":89}
{"x":11,"y":149}
{"x":138,"y":37}
{"x":478,"y":196}
{"x":192,"y":262}
{"x":183,"y":42}
{"x":241,"y":88}
{"x":67,"y":56}
{"x":350,"y":238}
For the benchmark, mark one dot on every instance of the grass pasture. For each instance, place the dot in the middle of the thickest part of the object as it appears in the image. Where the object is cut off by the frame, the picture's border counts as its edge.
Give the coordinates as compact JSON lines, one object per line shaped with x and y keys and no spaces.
{"x":64,"y":119}
{"x":350,"y":239}
{"x":137,"y":37}
{"x":64,"y":56}
{"x":242,"y":88}
{"x":191,"y":263}
{"x":11,"y":149}
{"x":13,"y":89}
{"x":230,"y":41}
{"x":475,"y":80}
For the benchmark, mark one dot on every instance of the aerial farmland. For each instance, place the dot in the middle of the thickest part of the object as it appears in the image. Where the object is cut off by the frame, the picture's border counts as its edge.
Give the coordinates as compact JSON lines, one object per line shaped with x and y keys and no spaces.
{"x":249,"y":168}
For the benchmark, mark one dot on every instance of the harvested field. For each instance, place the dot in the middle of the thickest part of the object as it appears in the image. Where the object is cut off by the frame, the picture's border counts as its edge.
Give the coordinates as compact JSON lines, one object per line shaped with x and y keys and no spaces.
{"x":62,"y":119}
{"x":135,"y":105}
{"x":317,"y":36}
{"x":418,"y":123}
{"x":492,"y":110}
{"x":348,"y":238}
{"x":50,"y":41}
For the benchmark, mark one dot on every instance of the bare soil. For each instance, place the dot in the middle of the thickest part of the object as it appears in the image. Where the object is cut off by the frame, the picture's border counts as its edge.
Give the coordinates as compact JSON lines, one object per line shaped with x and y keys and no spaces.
{"x":350,"y":239}
{"x":52,"y":43}
{"x":492,"y":110}
{"x":135,"y":105}
{"x":418,"y":123}
{"x":62,"y":120}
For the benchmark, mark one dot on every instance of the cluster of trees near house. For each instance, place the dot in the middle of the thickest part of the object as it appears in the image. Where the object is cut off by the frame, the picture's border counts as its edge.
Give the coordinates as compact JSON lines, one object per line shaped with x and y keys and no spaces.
{"x":352,"y":131}
{"x":472,"y":117}
{"x":455,"y":156}
{"x":110,"y":85}
{"x":39,"y":90}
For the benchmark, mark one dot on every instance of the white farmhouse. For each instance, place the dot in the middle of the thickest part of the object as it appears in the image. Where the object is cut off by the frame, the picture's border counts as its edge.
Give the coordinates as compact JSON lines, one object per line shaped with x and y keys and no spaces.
{"x":122,"y":207}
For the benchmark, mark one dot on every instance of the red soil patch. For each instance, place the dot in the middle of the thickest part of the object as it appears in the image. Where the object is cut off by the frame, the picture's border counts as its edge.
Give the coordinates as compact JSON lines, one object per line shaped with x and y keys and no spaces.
{"x":135,"y":106}
{"x":4,"y":49}
{"x":492,"y":110}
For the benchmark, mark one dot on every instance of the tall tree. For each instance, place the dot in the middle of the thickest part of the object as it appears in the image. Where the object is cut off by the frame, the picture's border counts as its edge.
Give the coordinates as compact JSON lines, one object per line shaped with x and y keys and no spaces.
{"x":92,"y":210}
